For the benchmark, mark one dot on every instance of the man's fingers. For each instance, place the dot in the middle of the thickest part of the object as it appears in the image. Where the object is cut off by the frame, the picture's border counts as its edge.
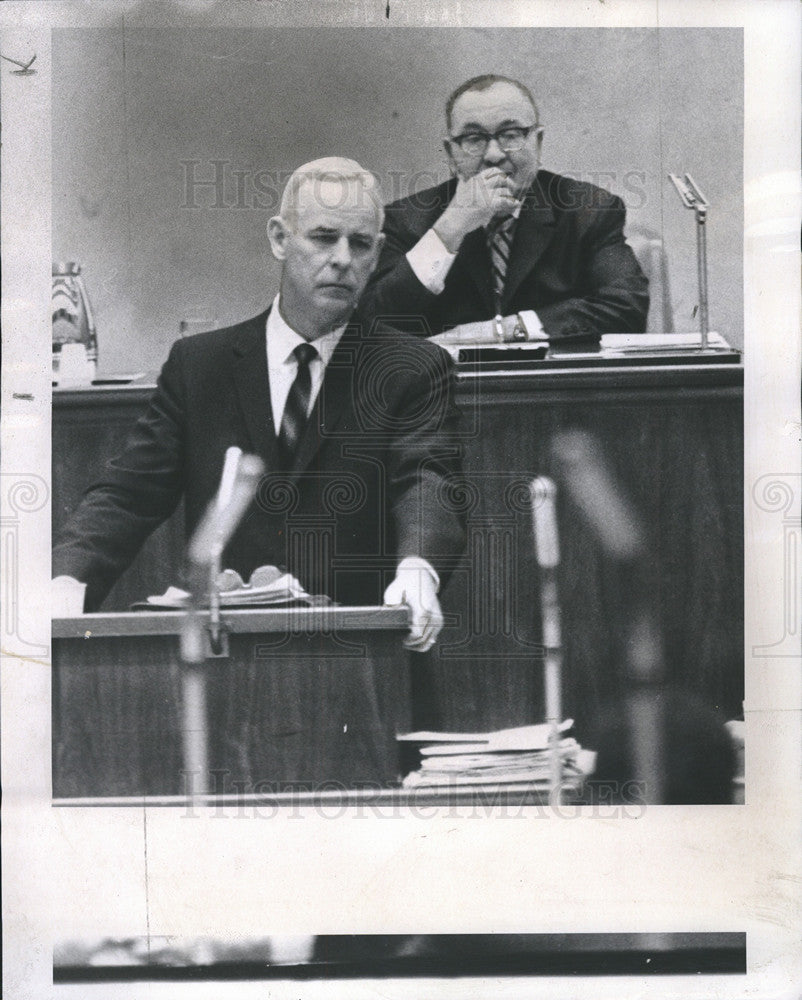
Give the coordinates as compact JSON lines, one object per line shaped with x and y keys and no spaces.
{"x":417,"y":591}
{"x":495,"y":178}
{"x":424,"y":630}
{"x":420,"y":643}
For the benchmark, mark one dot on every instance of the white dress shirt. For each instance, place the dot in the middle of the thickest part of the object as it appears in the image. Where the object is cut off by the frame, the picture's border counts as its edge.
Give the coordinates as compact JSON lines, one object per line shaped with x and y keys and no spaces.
{"x":431,"y":261}
{"x":282,"y":365}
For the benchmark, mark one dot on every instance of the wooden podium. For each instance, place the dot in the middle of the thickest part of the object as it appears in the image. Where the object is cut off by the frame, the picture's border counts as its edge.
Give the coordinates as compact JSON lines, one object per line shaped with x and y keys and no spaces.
{"x":301,"y":699}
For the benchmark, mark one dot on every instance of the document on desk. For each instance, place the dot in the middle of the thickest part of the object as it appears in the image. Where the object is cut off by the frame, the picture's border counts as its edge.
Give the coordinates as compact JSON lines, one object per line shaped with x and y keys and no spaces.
{"x":503,"y":767}
{"x":506,"y":756}
{"x":535,"y":737}
{"x":646,"y":343}
{"x":267,"y":587}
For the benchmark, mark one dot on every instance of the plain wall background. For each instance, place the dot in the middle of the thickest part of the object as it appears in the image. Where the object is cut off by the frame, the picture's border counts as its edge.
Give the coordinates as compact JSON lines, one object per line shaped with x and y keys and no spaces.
{"x":133,"y":108}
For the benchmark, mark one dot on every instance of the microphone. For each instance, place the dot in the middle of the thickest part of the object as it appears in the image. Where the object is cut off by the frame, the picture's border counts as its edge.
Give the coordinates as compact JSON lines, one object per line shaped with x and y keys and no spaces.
{"x":622,"y":535}
{"x":588,"y":482}
{"x":238,"y":485}
{"x":230,"y":463}
{"x":544,"y":517}
{"x":692,"y":197}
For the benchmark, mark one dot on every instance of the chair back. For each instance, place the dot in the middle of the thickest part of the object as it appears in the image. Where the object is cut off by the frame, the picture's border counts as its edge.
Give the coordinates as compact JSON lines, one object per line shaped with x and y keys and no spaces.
{"x":648,"y":248}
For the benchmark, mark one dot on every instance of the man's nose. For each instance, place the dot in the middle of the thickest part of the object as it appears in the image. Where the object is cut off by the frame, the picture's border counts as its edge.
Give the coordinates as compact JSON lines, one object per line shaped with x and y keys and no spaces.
{"x":341,"y":253}
{"x":494,"y":153}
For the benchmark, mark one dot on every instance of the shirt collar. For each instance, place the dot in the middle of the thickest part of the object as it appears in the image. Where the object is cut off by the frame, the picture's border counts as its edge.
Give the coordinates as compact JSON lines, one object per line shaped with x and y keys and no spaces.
{"x":282,"y":339}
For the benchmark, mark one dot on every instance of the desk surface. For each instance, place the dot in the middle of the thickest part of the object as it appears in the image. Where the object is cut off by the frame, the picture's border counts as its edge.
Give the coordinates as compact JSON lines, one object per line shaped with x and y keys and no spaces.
{"x":249,"y":621}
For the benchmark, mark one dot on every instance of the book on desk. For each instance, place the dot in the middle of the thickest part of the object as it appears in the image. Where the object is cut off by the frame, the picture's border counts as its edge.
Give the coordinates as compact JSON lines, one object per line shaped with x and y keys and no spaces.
{"x":613,"y":350}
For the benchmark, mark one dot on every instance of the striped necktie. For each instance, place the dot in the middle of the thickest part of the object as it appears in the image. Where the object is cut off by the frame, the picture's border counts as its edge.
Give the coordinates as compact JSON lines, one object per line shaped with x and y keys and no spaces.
{"x":294,"y":417}
{"x":499,"y":242}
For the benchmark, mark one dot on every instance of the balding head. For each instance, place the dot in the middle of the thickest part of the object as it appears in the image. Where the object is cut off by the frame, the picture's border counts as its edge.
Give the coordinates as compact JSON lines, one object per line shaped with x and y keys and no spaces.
{"x":325,"y":180}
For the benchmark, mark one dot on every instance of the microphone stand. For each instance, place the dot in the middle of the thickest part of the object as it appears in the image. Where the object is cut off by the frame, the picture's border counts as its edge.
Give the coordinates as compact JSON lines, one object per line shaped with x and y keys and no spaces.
{"x":215,"y":626}
{"x":542,"y":492}
{"x":238,"y":485}
{"x":622,"y":535}
{"x":693,"y":198}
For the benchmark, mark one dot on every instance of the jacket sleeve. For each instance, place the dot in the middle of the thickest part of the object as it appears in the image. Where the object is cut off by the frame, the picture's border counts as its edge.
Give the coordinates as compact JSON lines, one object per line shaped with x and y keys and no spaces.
{"x":139,"y":489}
{"x":615,"y":292}
{"x":395,"y":294}
{"x":425,"y":469}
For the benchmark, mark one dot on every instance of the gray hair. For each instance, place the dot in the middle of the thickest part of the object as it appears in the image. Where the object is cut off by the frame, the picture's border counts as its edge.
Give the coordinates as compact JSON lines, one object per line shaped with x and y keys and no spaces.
{"x":329,"y":168}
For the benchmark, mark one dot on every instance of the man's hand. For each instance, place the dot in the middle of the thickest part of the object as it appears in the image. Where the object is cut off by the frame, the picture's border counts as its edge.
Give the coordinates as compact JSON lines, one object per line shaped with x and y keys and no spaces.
{"x":476,"y":202}
{"x":416,"y":588}
{"x":66,"y":597}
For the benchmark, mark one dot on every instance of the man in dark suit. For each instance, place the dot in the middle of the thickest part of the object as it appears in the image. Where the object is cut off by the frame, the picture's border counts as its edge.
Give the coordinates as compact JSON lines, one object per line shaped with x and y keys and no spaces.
{"x":356,"y":429}
{"x":503,"y":235}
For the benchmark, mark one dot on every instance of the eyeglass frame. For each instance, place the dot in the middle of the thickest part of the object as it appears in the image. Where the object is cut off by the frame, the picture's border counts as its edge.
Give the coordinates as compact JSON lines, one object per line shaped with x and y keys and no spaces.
{"x":489,"y":137}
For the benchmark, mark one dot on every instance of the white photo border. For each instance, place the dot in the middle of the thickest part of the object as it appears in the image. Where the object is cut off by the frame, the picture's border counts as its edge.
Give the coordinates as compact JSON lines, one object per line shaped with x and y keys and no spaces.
{"x":136,"y":871}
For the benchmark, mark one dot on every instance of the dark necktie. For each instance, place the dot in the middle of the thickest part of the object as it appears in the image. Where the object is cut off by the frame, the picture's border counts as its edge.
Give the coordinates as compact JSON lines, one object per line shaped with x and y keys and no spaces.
{"x":297,"y":405}
{"x":500,"y":241}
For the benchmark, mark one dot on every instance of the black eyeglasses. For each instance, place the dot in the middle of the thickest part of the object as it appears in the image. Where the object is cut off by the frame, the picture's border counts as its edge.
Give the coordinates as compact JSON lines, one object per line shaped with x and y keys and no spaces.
{"x":509,"y":139}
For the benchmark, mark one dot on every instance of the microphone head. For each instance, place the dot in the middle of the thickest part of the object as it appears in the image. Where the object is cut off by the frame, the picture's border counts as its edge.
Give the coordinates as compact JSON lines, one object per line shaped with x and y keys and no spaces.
{"x":221,"y":519}
{"x":544,"y":519}
{"x":590,"y":485}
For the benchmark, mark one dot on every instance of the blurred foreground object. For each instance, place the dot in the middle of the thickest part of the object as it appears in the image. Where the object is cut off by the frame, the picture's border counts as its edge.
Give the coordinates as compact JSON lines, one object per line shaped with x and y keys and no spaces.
{"x":698,"y":759}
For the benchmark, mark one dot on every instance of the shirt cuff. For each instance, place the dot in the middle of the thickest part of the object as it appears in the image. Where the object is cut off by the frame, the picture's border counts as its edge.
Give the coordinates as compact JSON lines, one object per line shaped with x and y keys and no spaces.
{"x":416,"y":562}
{"x":534,"y":327}
{"x":431,"y":261}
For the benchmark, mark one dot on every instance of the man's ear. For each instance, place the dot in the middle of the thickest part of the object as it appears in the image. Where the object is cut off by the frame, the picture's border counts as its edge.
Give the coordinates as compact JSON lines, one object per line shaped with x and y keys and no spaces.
{"x":377,"y":247}
{"x":450,"y":157}
{"x":278,"y":234}
{"x":539,"y":142}
{"x":378,"y":243}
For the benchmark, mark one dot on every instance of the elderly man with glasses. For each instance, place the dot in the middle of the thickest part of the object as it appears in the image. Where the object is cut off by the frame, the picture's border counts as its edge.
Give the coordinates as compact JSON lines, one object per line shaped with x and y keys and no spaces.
{"x":504,"y":235}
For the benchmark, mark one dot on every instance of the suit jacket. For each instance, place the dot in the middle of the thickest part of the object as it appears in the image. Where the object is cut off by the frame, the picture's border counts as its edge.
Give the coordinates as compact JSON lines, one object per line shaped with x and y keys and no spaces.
{"x":568,"y":261}
{"x":369,"y":484}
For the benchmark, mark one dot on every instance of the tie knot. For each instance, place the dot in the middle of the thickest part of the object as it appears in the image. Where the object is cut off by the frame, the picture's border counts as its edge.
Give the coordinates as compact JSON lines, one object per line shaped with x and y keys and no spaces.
{"x":304,"y":353}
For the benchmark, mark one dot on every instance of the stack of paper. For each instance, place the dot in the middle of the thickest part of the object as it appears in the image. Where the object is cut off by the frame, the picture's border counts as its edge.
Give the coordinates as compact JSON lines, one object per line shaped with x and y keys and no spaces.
{"x":267,"y":587}
{"x":649,"y":342}
{"x":518,"y":757}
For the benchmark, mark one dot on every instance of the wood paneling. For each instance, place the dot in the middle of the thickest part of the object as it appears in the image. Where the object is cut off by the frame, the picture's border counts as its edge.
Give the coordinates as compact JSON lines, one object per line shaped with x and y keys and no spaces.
{"x":311,"y":708}
{"x":673,"y":442}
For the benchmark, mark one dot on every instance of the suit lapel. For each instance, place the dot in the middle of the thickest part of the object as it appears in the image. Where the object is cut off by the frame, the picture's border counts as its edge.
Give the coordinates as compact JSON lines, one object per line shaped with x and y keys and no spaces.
{"x":253,"y":388}
{"x":532,"y":234}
